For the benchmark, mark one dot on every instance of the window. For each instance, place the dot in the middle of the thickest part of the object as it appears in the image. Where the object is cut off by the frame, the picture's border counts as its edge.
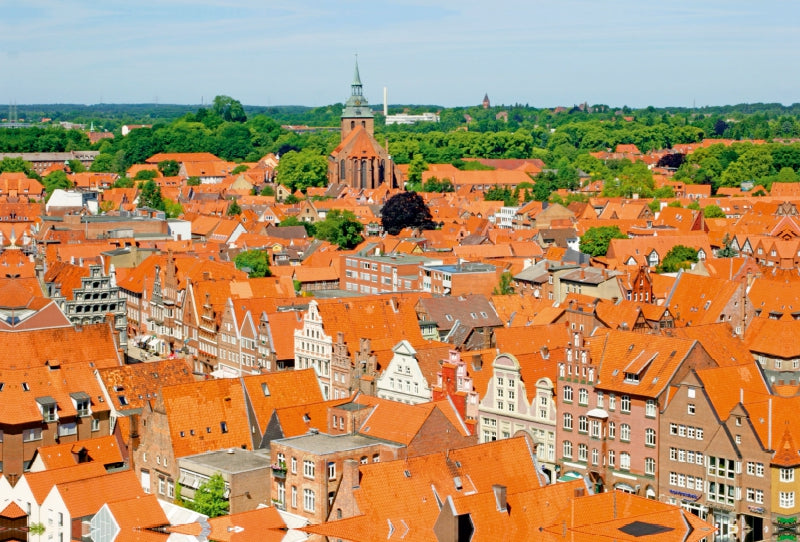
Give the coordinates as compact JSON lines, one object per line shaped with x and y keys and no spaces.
{"x":83,"y":409}
{"x":595,"y":456}
{"x":162,"y":485}
{"x":649,"y":465}
{"x":583,"y":396}
{"x":294,"y":496}
{"x":690,"y":409}
{"x":650,"y":408}
{"x":625,"y":432}
{"x":294,"y":466}
{"x":583,"y":424}
{"x":568,"y":421}
{"x":611,"y":458}
{"x":308,"y":468}
{"x":600,"y":399}
{"x":787,"y":475}
{"x":331,"y":471}
{"x":308,"y":500}
{"x":95,"y":424}
{"x":625,"y":403}
{"x":568,"y":449}
{"x":595,"y":429}
{"x":568,"y":394}
{"x":583,"y":452}
{"x":786,"y":499}
{"x":625,"y":461}
{"x":612,"y":430}
{"x":650,"y":437}
{"x":759,"y":469}
{"x":29,"y":435}
{"x":612,"y":402}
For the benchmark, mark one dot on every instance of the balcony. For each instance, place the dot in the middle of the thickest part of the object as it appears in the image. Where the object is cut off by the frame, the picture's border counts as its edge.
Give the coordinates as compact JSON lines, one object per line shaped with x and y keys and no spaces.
{"x":279,"y":472}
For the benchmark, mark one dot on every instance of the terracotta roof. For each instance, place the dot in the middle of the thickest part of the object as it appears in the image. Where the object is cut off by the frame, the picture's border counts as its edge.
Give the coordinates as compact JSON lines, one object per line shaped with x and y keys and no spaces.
{"x":268,"y":392}
{"x":40,"y":483}
{"x":653,"y":359}
{"x":91,"y":344}
{"x":103,"y":450}
{"x":86,"y":497}
{"x":132,"y":386}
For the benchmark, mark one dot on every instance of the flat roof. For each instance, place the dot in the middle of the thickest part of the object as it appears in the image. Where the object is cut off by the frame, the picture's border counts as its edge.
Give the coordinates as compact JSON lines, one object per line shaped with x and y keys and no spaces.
{"x":231,"y":460}
{"x":322,"y":443}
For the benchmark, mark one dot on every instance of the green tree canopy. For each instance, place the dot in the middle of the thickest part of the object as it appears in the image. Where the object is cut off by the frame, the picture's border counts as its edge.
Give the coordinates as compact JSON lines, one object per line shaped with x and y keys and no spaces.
{"x":713,"y":211}
{"x":17,"y":165}
{"x":56,"y":179}
{"x":229,"y":109}
{"x":234,"y":208}
{"x":406,"y":210}
{"x":150,"y":196}
{"x":209,"y":498}
{"x":340,"y":228}
{"x":678,"y":257}
{"x":300,"y":170}
{"x":145,"y":174}
{"x":254,"y":262}
{"x":169,"y":168}
{"x":596,"y":240}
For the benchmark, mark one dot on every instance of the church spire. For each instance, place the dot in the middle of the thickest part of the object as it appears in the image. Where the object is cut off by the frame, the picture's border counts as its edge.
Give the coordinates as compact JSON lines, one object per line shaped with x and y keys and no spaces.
{"x":356,"y":77}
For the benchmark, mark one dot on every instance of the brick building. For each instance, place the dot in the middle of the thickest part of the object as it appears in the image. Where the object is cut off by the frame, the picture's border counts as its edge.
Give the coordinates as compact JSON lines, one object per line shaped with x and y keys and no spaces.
{"x":611,"y":390}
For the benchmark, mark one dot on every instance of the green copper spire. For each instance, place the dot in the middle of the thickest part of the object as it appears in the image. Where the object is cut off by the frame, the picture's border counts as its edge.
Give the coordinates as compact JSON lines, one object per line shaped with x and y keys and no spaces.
{"x":356,"y":105}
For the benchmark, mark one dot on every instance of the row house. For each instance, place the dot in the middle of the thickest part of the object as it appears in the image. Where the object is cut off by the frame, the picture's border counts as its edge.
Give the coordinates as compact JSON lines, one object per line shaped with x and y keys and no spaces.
{"x":336,"y":365}
{"x":403,"y":380}
{"x":454,"y":383}
{"x":696,"y":300}
{"x":90,"y":299}
{"x":712,"y":460}
{"x":520,"y":399}
{"x":611,"y":389}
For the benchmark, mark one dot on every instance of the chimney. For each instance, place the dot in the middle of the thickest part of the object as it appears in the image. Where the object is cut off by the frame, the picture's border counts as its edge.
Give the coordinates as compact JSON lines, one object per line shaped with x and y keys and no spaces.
{"x":500,"y":497}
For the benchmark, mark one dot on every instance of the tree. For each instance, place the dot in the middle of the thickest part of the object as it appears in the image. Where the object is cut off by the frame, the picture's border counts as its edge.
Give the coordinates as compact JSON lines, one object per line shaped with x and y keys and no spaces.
{"x":193,"y":181}
{"x":406,"y":210}
{"x":124,"y":182}
{"x":341,"y":228}
{"x":173,"y":209}
{"x":150,"y":196}
{"x":241,"y":168}
{"x":415,"y":169}
{"x":17,"y":165}
{"x":103,"y":162}
{"x":713,"y":211}
{"x":145,"y":175}
{"x":209,"y":498}
{"x":254,"y":262}
{"x":76,"y":166}
{"x":596,"y":240}
{"x":169,"y":168}
{"x":678,"y":257}
{"x":234,"y":208}
{"x":57,"y":179}
{"x":267,"y":191}
{"x":300,"y":170}
{"x":500,"y":194}
{"x":505,"y":286}
{"x":229,"y":109}
{"x":727,"y":250}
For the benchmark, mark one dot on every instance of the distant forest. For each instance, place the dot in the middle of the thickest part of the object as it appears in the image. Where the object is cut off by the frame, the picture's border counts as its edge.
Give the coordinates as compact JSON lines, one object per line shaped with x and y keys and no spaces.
{"x":563,"y":138}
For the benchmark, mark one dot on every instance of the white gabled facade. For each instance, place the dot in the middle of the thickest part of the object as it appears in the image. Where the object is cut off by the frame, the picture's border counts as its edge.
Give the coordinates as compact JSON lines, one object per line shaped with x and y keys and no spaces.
{"x":314,"y":348}
{"x":402,"y":380}
{"x":506,"y":409}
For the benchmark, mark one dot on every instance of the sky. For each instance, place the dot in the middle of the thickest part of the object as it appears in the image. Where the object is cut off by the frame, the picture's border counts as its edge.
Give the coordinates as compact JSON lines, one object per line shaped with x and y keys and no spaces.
{"x":443,"y":52}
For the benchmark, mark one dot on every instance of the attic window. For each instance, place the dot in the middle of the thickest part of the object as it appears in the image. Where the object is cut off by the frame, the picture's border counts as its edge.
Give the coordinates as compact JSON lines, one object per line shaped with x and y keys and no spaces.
{"x":122,"y":400}
{"x":306,"y":418}
{"x":407,"y":473}
{"x":118,"y":388}
{"x":265,"y":389}
{"x":631,"y":378}
{"x":183,"y":434}
{"x":223,"y":427}
{"x":208,"y":429}
{"x":26,"y":387}
{"x":449,"y":318}
{"x":2,"y":385}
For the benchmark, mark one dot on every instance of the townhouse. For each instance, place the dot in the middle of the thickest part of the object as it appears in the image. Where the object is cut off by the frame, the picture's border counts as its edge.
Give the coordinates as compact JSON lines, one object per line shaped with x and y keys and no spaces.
{"x":610,"y":390}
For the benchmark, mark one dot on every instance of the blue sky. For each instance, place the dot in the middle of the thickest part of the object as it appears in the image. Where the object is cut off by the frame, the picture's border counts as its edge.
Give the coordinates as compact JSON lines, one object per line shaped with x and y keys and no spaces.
{"x":445,"y":52}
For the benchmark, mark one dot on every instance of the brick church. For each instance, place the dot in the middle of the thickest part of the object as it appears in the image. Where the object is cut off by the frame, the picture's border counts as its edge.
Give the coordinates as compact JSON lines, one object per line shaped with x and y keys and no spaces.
{"x":359,"y":161}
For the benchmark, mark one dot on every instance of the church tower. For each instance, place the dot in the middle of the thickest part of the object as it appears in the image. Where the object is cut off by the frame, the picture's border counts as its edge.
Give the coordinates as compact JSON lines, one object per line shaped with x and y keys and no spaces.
{"x":359,"y":161}
{"x":356,"y":110}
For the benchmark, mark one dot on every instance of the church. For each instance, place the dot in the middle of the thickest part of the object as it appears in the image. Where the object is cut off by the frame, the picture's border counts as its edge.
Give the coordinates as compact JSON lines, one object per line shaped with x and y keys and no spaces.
{"x":359,"y":161}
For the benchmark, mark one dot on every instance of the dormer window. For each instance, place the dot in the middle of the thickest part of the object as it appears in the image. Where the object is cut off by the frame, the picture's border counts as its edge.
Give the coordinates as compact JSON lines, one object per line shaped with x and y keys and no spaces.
{"x":631,"y":378}
{"x":48,"y":407}
{"x":82,"y":403}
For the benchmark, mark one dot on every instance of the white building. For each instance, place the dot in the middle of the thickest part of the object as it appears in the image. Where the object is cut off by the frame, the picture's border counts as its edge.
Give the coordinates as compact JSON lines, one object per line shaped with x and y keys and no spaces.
{"x":402,"y":380}
{"x":313,"y":348}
